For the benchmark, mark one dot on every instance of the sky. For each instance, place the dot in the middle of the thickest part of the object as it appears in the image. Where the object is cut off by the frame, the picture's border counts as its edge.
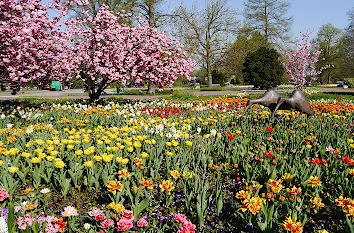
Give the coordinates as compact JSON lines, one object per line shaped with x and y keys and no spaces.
{"x":307,"y":14}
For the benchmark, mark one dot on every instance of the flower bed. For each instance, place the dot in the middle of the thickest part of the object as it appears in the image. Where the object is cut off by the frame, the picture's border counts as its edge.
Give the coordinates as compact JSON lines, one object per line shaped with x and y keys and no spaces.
{"x":176,"y":167}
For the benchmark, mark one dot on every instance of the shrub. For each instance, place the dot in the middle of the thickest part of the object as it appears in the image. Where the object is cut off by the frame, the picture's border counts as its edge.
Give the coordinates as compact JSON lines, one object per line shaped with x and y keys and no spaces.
{"x":349,"y":82}
{"x":262,"y":68}
{"x":219,"y":77}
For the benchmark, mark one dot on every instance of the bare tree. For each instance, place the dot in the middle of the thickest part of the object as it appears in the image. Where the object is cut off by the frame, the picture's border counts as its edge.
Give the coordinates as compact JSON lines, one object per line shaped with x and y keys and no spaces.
{"x":94,"y":6}
{"x":206,"y":32}
{"x":269,"y":18}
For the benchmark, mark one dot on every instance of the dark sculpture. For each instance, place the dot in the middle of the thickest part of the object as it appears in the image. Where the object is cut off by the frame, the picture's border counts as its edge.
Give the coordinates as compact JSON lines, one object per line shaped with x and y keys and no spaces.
{"x":269,"y":99}
{"x":274,"y":102}
{"x":298,"y":101}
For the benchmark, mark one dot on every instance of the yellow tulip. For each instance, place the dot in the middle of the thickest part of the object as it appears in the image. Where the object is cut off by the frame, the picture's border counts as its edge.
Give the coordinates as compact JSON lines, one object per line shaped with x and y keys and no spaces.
{"x":38,"y":150}
{"x":59,"y":164}
{"x":88,"y":163}
{"x":144,"y":155}
{"x":12,"y":169}
{"x":169,"y":153}
{"x":125,"y":161}
{"x":119,"y":159}
{"x":79,"y":152}
{"x":189,"y":143}
{"x":25,"y":155}
{"x":50,"y":158}
{"x":54,"y":153}
{"x":35,"y":160}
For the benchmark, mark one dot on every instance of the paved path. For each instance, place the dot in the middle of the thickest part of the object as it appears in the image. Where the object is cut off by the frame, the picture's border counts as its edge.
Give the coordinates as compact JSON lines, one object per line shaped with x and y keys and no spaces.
{"x":80,"y":94}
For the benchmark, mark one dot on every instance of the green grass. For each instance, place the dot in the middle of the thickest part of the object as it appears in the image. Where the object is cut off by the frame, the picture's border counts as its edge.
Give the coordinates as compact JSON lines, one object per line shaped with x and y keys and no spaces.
{"x":212,"y":89}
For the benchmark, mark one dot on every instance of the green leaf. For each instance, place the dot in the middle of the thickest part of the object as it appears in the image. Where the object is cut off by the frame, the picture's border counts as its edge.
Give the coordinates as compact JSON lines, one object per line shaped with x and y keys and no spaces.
{"x":11,"y":219}
{"x":350,"y":225}
{"x":142,"y":206}
{"x":262,"y":225}
{"x":219,"y":204}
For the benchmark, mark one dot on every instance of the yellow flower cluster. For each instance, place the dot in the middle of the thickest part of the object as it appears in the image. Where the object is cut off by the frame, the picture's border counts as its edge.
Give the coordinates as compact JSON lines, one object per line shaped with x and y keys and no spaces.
{"x":116,"y":207}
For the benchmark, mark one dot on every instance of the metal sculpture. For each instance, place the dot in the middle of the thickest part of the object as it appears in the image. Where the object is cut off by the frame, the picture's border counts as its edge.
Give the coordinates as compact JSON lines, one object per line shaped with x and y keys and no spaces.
{"x":298,"y":101}
{"x":269,"y":99}
{"x":275,"y":102}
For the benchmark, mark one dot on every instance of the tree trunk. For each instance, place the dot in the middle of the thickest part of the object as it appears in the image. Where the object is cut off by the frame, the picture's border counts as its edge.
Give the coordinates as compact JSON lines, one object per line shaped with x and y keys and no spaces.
{"x":210,"y":78}
{"x":151,"y":89}
{"x":94,"y":96}
{"x":266,"y":23}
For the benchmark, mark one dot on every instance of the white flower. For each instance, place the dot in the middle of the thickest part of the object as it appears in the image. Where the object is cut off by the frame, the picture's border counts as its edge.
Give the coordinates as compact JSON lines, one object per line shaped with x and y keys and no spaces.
{"x":2,"y":116}
{"x":29,"y":130}
{"x":3,"y":226}
{"x":213,"y":132}
{"x":159,"y":127}
{"x":45,"y":190}
{"x":199,"y":129}
{"x":9,"y":126}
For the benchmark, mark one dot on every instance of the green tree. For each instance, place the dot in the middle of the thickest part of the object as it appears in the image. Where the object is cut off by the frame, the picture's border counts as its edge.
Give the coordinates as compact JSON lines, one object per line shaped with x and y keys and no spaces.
{"x":347,"y":58}
{"x":329,"y":41}
{"x":220,"y":77}
{"x":263,"y":69}
{"x":233,"y":59}
{"x":206,"y":32}
{"x":269,"y":18}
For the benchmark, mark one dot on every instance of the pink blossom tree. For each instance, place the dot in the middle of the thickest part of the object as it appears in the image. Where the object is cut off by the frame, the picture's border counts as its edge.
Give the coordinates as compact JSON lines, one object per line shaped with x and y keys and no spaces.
{"x":300,"y":63}
{"x":109,"y":51}
{"x":32,"y":47}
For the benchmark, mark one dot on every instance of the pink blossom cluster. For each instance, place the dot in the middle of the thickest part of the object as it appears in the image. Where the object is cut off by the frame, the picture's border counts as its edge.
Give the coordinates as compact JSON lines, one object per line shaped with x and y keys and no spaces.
{"x":32,"y":47}
{"x":125,"y":222}
{"x":27,"y":220}
{"x":187,"y":226}
{"x":301,"y":62}
{"x":110,"y":51}
{"x":3,"y":194}
{"x":69,"y":211}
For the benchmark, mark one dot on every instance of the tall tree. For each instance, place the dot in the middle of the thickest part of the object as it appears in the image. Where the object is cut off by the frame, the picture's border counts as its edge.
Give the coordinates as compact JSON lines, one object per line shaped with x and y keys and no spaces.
{"x":150,"y":10}
{"x":347,"y":66}
{"x":247,"y":41}
{"x":30,"y":48}
{"x":109,"y":51}
{"x":269,"y":18}
{"x":329,"y":42}
{"x":205,"y":32}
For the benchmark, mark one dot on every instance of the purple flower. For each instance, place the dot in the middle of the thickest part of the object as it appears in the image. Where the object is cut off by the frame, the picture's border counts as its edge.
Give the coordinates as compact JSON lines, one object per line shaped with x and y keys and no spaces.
{"x":41,"y":219}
